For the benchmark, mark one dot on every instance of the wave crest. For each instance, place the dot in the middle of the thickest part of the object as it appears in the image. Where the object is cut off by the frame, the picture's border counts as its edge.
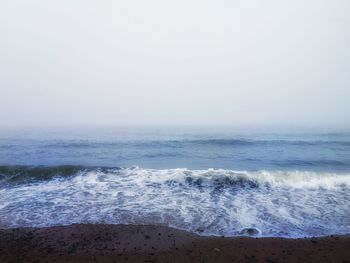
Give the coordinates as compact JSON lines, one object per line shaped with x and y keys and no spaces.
{"x":231,"y":178}
{"x":217,"y":178}
{"x":22,"y":174}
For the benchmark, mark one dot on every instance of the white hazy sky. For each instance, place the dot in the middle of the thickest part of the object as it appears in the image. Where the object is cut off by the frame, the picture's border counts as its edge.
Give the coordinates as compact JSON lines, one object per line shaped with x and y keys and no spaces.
{"x":77,"y":62}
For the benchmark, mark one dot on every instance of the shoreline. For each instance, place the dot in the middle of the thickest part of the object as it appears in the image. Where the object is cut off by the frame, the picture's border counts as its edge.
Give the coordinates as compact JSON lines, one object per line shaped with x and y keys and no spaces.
{"x":157,"y":243}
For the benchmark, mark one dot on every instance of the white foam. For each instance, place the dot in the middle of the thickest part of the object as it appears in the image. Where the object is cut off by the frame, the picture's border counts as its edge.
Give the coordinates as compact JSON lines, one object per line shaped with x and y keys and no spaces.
{"x":293,"y":179}
{"x":220,"y":202}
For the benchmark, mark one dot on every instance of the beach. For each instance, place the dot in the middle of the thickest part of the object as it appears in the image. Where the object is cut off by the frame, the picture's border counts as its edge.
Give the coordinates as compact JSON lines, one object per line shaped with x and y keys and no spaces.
{"x":156,"y":243}
{"x":178,"y":197}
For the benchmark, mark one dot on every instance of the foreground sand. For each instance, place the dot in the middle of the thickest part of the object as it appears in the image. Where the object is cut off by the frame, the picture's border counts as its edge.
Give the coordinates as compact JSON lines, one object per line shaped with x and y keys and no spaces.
{"x":134,"y":243}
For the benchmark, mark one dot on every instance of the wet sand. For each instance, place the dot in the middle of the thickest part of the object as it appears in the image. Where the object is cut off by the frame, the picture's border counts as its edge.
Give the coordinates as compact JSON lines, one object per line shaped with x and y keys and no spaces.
{"x":153,"y":243}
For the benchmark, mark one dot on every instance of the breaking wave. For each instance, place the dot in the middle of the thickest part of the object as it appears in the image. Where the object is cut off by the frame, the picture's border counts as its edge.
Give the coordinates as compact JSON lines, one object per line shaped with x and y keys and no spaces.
{"x":208,"y":202}
{"x":180,"y":176}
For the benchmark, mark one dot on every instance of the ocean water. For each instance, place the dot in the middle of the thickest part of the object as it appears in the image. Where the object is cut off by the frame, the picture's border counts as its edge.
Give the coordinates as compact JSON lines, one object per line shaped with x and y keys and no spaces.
{"x":208,"y":181}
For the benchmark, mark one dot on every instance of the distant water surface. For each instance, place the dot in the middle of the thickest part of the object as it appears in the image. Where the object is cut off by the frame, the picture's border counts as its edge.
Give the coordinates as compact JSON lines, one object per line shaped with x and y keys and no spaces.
{"x":175,"y":148}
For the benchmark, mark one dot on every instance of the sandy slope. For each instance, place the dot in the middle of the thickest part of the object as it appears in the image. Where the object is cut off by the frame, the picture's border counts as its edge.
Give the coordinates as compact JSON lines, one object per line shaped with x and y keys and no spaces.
{"x":151,"y":243}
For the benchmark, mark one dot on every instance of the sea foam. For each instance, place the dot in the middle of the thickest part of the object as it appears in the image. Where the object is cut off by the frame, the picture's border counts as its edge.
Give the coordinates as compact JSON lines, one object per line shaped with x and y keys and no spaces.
{"x":208,"y":202}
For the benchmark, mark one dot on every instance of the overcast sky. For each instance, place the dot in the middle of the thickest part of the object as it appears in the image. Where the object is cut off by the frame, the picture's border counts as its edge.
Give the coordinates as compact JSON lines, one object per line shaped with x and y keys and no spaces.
{"x":79,"y":62}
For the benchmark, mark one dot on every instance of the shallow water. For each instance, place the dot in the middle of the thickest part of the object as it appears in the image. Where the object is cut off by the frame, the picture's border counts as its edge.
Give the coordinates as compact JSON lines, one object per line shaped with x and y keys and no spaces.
{"x":206,"y":182}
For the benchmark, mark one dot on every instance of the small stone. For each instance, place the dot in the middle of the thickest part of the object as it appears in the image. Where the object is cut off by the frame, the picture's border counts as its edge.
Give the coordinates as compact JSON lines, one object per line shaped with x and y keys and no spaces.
{"x":250,"y":231}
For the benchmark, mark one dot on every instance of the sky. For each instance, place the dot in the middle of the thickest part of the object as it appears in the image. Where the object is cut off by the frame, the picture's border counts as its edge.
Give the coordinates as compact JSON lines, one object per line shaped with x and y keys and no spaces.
{"x":183,"y":62}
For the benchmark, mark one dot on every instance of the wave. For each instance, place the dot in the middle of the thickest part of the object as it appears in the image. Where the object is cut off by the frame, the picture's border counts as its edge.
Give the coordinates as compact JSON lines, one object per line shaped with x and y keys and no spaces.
{"x":22,"y":174}
{"x":229,"y":178}
{"x":211,"y":178}
{"x":174,"y":143}
{"x":311,"y":163}
{"x":249,"y":142}
{"x":209,"y":202}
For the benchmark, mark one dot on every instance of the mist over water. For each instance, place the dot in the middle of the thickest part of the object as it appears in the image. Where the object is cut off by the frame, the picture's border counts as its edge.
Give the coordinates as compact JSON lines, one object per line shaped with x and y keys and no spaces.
{"x":185,"y":62}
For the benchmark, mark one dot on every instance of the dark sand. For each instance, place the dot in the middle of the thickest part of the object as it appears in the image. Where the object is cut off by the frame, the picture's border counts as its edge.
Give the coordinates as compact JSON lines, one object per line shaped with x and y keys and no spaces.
{"x":134,"y":243}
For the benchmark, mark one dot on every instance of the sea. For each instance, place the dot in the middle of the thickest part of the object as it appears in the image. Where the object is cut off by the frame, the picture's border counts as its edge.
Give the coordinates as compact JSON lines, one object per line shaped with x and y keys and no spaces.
{"x":209,"y":181}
